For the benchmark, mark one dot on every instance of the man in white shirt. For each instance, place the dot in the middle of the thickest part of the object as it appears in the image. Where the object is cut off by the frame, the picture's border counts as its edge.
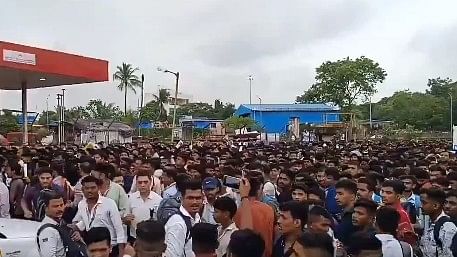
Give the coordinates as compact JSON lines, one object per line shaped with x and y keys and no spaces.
{"x":433,"y":200}
{"x":50,"y":243}
{"x":4,"y":201}
{"x":143,"y":203}
{"x":98,"y":211}
{"x":177,"y":229}
{"x":387,"y":220}
{"x":224,"y":211}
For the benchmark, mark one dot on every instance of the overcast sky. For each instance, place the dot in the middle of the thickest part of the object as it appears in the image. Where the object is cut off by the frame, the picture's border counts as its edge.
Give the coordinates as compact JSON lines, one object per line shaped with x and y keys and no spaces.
{"x":216,"y":44}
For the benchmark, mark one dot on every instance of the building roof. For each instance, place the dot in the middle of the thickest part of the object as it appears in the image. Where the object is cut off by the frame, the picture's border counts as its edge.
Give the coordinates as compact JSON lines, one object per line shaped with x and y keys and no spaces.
{"x":288,"y":107}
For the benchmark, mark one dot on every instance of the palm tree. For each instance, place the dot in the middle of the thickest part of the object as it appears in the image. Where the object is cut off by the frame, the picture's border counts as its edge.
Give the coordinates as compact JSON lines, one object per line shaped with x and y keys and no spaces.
{"x":128,"y":80}
{"x":161,"y":100}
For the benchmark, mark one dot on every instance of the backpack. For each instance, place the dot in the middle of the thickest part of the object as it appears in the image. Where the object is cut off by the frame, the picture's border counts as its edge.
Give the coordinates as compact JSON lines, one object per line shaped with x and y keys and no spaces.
{"x":436,"y":235}
{"x":40,"y":206}
{"x":72,"y":248}
{"x":405,"y":249}
{"x":169,"y":207}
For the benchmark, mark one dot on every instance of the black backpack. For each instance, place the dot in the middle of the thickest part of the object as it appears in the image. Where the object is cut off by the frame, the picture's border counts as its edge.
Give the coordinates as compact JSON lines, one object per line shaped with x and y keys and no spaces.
{"x":72,"y":248}
{"x":40,"y":206}
{"x":436,"y":235}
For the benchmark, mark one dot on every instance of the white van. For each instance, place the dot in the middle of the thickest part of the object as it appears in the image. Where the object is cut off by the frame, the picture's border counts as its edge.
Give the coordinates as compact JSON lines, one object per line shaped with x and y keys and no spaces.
{"x":18,"y":238}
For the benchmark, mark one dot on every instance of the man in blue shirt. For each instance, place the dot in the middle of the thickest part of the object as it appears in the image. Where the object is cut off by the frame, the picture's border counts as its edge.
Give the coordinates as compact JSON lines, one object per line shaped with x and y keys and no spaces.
{"x":327,"y":180}
{"x":346,"y":192}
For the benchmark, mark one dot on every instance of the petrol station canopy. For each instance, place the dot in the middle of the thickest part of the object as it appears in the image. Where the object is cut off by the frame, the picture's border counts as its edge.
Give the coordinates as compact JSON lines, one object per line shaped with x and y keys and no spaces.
{"x":38,"y":68}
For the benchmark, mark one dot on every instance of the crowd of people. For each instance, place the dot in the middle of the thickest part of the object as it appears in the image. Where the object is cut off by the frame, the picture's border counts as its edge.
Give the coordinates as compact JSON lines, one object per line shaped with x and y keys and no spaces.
{"x":370,"y":199}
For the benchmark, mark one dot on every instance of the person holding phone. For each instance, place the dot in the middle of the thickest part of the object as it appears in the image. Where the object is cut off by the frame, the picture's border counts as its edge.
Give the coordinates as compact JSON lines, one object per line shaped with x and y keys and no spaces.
{"x":253,"y":214}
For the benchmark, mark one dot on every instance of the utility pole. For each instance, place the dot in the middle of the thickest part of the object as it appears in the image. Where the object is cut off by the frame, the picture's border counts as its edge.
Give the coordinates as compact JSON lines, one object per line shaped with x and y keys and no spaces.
{"x":175,"y":100}
{"x":250,"y":88}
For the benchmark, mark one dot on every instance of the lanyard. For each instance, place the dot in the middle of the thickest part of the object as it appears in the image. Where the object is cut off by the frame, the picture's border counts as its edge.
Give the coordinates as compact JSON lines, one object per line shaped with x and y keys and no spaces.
{"x":107,"y":190}
{"x":91,"y":217}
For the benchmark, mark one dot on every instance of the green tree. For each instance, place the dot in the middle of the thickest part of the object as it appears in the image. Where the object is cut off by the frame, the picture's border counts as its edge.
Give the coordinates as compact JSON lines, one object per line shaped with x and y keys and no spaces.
{"x":441,"y":87}
{"x":52,"y":115}
{"x":8,"y":123}
{"x":160,"y":100}
{"x":128,"y":80}
{"x":342,"y":82}
{"x":131,"y":118}
{"x":97,"y":109}
{"x":150,"y":111}
{"x":419,"y":110}
{"x":220,"y":110}
{"x":234,"y":123}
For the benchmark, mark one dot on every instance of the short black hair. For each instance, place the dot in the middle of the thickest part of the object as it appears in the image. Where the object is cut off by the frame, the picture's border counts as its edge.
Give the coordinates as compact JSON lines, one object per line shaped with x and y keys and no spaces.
{"x":297,"y":210}
{"x":395,"y":184}
{"x":91,"y":179}
{"x":106,"y":169}
{"x":368,"y":204}
{"x":347,"y":185}
{"x":226,"y":204}
{"x":191,"y":185}
{"x":317,"y":191}
{"x":410,"y":177}
{"x":315,"y":240}
{"x":48,"y":195}
{"x":301,"y":186}
{"x":290,"y":174}
{"x":246,"y":243}
{"x":387,"y":219}
{"x":98,"y":234}
{"x":317,"y":210}
{"x":15,"y":167}
{"x":150,"y":231}
{"x":436,"y":195}
{"x":204,"y":238}
{"x":452,"y":176}
{"x":360,"y":241}
{"x":371,"y":184}
{"x":451,"y":193}
{"x":171,"y":172}
{"x":44,"y":170}
{"x":334,"y":172}
{"x":181,"y":180}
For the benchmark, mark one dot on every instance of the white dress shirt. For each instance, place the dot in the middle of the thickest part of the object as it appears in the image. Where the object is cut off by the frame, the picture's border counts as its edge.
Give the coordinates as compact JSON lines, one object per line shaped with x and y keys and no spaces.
{"x":391,"y":247}
{"x":141,"y":209}
{"x":175,"y":235}
{"x":156,"y":185}
{"x":224,"y":238}
{"x":103,"y":214}
{"x":4,"y":201}
{"x":51,"y":245}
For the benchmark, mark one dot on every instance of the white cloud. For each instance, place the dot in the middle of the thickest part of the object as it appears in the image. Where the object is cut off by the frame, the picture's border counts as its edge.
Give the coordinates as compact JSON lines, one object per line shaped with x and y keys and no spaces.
{"x":216,"y":44}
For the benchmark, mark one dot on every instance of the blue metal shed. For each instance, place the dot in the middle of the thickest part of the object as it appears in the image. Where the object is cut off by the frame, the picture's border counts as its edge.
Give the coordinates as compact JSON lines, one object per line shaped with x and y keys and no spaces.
{"x":275,"y":118}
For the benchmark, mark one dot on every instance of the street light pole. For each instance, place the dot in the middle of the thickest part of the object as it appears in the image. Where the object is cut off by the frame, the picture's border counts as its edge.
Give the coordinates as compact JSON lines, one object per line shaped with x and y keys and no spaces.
{"x":47,"y":112}
{"x":371,"y":119}
{"x":250,"y":88}
{"x":452,"y":121}
{"x":175,"y":100}
{"x":141,"y":106}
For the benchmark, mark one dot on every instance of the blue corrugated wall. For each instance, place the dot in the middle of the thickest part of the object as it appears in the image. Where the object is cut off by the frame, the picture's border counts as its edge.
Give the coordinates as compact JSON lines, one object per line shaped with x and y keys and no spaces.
{"x":277,"y":122}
